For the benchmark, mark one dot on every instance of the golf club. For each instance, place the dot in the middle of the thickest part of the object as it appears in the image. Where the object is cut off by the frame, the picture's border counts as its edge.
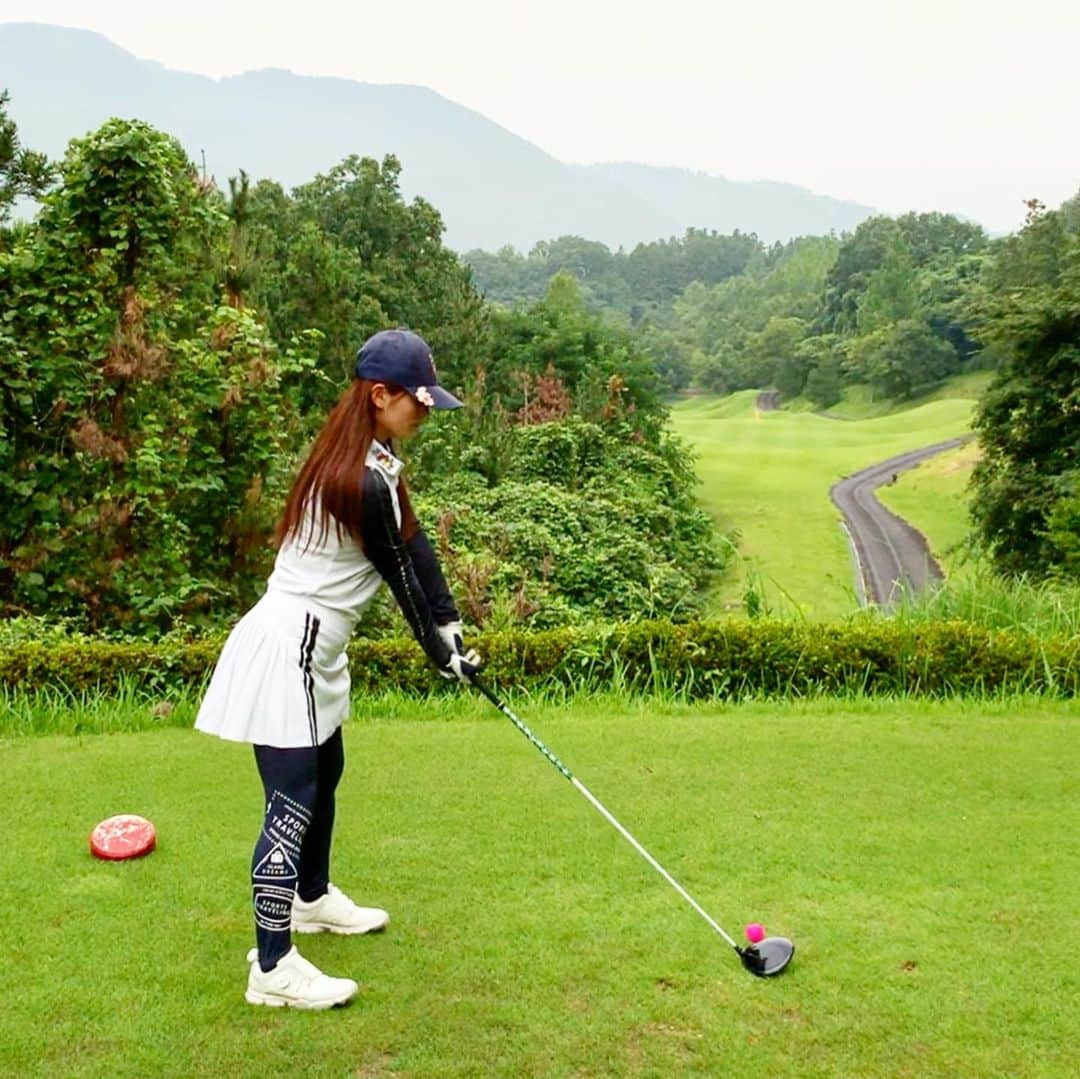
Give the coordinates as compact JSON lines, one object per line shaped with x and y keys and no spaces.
{"x":766,"y":958}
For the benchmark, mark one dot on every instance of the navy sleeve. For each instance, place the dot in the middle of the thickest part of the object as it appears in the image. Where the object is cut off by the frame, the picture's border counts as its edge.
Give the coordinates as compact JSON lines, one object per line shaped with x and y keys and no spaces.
{"x":387,"y":552}
{"x":430,"y":574}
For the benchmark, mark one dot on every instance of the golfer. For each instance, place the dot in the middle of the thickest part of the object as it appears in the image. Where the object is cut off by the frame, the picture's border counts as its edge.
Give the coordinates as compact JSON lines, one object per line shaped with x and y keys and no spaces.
{"x":282,"y":680}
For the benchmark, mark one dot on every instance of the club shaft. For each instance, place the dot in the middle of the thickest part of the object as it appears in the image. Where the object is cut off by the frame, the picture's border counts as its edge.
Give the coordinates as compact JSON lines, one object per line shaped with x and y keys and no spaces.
{"x":602,"y":810}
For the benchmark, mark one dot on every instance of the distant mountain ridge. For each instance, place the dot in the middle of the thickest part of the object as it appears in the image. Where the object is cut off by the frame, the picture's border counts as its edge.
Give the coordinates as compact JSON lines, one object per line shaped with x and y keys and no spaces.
{"x":492,"y":187}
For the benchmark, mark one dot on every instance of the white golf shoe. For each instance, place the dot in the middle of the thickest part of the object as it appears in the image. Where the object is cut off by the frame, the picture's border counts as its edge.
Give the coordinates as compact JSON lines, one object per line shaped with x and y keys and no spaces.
{"x":335,"y":912}
{"x":296,"y":983}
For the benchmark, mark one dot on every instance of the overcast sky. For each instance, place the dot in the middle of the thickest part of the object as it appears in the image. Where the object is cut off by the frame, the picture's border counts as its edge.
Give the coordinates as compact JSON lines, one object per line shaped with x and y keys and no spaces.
{"x":969,"y":106}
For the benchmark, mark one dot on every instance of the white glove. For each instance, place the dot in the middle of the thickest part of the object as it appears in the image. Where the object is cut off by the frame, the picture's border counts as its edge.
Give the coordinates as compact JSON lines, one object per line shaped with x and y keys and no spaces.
{"x":451,"y":633}
{"x":462,"y":667}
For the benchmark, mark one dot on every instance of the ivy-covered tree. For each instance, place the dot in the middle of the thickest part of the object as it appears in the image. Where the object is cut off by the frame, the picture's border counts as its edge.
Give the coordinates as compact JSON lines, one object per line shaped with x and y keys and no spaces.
{"x":566,"y":534}
{"x":144,"y":426}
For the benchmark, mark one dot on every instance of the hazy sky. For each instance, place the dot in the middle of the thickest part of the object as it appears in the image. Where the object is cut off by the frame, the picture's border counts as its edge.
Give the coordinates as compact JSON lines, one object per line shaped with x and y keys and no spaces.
{"x":969,"y":106}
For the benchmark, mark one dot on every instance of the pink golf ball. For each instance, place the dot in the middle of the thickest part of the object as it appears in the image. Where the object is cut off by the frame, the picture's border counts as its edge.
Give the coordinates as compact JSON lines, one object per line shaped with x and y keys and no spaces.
{"x":755,"y":932}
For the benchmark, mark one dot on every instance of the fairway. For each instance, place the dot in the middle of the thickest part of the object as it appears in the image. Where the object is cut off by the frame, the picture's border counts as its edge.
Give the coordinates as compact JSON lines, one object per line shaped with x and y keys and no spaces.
{"x":768,"y":474}
{"x":921,"y":855}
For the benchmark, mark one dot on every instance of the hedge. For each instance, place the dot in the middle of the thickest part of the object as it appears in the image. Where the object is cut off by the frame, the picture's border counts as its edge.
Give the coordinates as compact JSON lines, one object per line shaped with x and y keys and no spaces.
{"x":729,"y":659}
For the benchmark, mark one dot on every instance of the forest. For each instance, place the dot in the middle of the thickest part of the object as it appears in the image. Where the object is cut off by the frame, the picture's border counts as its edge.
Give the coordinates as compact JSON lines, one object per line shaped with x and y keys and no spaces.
{"x":168,"y":350}
{"x":899,"y":305}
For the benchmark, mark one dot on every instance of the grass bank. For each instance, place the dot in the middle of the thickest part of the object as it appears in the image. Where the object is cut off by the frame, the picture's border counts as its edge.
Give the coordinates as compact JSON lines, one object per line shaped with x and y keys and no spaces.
{"x":860,"y":403}
{"x":921,"y":855}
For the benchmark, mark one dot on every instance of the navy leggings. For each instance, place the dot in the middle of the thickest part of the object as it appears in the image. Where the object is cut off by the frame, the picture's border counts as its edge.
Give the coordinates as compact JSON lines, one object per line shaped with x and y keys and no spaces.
{"x":293,"y":851}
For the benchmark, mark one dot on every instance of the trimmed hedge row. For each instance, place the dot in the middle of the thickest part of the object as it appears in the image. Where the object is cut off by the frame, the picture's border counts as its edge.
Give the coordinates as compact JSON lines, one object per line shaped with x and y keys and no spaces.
{"x":705,"y":659}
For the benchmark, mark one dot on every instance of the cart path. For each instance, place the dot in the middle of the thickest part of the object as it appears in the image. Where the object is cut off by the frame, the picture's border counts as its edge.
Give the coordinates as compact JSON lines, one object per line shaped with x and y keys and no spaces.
{"x":890,"y":555}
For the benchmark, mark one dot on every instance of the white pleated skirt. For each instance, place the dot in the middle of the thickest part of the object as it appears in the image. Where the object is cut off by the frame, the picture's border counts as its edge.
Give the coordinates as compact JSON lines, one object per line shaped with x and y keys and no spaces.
{"x":282,"y":678}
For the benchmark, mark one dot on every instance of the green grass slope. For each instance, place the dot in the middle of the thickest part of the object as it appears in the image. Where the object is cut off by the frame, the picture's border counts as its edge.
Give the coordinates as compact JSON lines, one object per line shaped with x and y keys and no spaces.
{"x":768,"y":474}
{"x":859,"y":402}
{"x":920,"y":855}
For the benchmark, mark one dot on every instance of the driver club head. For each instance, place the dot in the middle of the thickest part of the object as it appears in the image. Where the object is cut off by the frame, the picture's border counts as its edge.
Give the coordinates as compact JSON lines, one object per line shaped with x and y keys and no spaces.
{"x":768,"y":957}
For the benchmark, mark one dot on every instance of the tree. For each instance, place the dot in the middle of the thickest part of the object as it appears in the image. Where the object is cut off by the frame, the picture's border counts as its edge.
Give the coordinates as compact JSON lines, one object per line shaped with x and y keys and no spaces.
{"x":774,"y":347}
{"x":792,"y":369}
{"x":946,"y":288}
{"x":587,"y":260}
{"x":928,"y":236}
{"x":889,"y":295}
{"x":903,"y":359}
{"x":637,"y":285}
{"x":348,"y":256}
{"x":23,"y":172}
{"x":821,"y":358}
{"x":145,"y":424}
{"x":242,"y":264}
{"x":859,"y":256}
{"x":1025,"y":485}
{"x":670,"y":353}
{"x":824,"y":383}
{"x":892,"y":246}
{"x":719,"y":371}
{"x":608,"y":375}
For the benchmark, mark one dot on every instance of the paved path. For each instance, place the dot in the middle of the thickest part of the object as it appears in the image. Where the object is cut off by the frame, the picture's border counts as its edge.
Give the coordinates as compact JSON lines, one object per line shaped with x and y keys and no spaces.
{"x":890,"y":555}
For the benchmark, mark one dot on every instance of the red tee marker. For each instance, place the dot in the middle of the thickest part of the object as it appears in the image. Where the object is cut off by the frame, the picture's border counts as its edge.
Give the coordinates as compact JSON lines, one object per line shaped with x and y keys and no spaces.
{"x":123,"y":836}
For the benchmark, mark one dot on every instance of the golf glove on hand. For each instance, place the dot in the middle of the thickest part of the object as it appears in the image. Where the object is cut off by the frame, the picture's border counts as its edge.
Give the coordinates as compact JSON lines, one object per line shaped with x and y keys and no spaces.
{"x":462,"y":666}
{"x":451,"y":633}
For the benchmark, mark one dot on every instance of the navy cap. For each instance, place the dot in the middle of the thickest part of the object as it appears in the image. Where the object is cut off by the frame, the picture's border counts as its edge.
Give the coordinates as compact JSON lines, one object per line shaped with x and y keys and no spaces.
{"x":403,"y":358}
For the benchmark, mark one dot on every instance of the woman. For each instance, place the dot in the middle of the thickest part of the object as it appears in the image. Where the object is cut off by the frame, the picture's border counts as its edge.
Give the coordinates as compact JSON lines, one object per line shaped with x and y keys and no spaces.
{"x":282,"y":681}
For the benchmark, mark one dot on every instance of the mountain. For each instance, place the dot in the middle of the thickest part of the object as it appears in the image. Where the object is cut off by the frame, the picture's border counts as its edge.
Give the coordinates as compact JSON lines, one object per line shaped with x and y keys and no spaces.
{"x":492,"y":187}
{"x":782,"y":210}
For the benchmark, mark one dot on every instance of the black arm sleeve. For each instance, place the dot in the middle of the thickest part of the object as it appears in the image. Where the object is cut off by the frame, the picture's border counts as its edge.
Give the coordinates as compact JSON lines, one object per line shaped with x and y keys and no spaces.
{"x":431,"y":578}
{"x":387,"y":552}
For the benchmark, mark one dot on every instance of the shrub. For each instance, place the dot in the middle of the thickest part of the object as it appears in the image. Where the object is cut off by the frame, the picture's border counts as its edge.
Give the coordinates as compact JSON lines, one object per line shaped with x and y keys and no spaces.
{"x":732,"y":659}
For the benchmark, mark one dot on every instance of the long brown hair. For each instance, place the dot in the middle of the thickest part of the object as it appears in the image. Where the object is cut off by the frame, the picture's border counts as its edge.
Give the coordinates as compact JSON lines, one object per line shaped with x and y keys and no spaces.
{"x":331,"y":479}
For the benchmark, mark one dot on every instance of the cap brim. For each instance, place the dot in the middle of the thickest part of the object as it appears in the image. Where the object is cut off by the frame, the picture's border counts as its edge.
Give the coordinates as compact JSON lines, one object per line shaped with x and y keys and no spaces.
{"x":443,"y":398}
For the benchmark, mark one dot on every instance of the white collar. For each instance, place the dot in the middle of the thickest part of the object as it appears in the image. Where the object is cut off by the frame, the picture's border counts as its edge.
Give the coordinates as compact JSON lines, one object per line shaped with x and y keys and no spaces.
{"x":381,"y":458}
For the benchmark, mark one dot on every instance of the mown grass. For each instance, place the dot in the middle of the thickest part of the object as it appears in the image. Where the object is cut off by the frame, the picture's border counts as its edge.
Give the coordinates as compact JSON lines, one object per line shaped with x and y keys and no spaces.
{"x":921,"y":855}
{"x":767,"y":475}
